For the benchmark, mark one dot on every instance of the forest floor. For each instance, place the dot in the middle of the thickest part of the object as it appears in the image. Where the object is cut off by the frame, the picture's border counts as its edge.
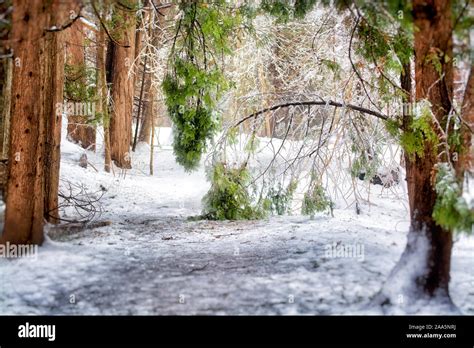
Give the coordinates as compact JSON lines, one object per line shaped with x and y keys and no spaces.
{"x":152,"y":259}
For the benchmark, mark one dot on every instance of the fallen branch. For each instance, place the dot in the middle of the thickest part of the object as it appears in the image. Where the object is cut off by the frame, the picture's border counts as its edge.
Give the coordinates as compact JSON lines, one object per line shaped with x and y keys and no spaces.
{"x":57,"y":231}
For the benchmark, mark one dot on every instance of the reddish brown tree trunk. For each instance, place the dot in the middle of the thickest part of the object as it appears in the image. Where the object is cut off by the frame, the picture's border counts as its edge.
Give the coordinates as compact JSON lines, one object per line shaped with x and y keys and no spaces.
{"x":5,"y":133}
{"x":79,"y":129}
{"x":433,"y":36}
{"x":465,"y":160}
{"x":145,"y":130}
{"x":122,"y":93}
{"x":24,"y":205}
{"x":5,"y":107}
{"x":37,"y":82}
{"x":53,"y":57}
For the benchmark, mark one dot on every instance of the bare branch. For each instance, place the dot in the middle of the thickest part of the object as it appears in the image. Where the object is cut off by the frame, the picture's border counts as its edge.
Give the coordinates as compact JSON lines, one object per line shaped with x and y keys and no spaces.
{"x":315,"y":102}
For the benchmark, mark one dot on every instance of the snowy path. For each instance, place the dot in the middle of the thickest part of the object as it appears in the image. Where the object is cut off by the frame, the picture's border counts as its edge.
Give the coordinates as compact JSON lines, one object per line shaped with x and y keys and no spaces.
{"x":152,"y":260}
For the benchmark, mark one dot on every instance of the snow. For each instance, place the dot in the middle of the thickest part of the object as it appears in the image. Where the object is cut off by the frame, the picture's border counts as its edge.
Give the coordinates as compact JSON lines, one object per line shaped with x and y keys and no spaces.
{"x":153,"y":259}
{"x":398,"y":295}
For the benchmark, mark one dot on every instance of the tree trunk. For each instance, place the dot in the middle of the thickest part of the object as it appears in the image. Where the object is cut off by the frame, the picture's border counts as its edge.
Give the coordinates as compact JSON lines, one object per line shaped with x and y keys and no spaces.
{"x":423,"y":270}
{"x":24,"y":206}
{"x":109,"y":65}
{"x":156,"y":36}
{"x":102,"y":103}
{"x":78,"y":129}
{"x":465,"y":160}
{"x":433,"y":19}
{"x":152,"y":143}
{"x":25,"y":189}
{"x":6,"y":107}
{"x":139,"y":32}
{"x":6,"y":67}
{"x":144,"y":109}
{"x":427,"y":258}
{"x":145,"y":130}
{"x":140,"y":104}
{"x":53,"y":57}
{"x":406,"y":85}
{"x":6,"y":111}
{"x":122,"y":92}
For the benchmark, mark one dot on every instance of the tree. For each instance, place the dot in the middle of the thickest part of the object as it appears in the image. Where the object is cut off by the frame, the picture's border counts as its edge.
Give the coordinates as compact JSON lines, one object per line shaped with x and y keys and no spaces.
{"x":6,"y":107}
{"x":427,"y":138}
{"x":148,"y":112}
{"x":79,"y":129}
{"x":52,"y":61}
{"x":156,"y":37}
{"x":465,"y":162}
{"x":102,"y":92}
{"x":33,"y":165}
{"x":6,"y":68}
{"x":433,"y":40}
{"x":122,"y":57}
{"x":145,"y":81}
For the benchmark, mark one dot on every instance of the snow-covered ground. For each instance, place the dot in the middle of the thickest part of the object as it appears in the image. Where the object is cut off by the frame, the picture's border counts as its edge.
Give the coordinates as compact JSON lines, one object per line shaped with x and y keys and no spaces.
{"x":152,"y":259}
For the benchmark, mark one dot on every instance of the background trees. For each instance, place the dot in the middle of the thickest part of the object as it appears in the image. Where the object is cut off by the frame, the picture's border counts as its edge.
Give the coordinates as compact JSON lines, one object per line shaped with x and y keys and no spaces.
{"x":79,"y":75}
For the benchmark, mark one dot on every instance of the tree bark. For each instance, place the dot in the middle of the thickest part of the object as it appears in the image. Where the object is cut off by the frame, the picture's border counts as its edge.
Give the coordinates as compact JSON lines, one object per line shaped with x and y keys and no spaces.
{"x":34,"y":152}
{"x":429,"y":244}
{"x":78,"y":129}
{"x":24,"y":206}
{"x":406,"y":85}
{"x":465,"y":160}
{"x":53,"y":58}
{"x":145,"y":130}
{"x":122,"y":93}
{"x":102,"y":103}
{"x":139,"y":32}
{"x":140,"y":104}
{"x":6,"y":107}
{"x":152,"y":144}
{"x":156,"y":35}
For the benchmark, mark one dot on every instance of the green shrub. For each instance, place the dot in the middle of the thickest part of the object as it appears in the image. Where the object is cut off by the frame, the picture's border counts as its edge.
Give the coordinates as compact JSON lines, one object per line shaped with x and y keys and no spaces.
{"x":229,"y":197}
{"x":280,"y":198}
{"x":316,"y":200}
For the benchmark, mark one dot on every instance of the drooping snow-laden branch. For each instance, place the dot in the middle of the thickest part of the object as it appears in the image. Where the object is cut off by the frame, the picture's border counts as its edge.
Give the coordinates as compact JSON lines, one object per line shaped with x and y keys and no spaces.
{"x":310,"y":146}
{"x":315,"y":102}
